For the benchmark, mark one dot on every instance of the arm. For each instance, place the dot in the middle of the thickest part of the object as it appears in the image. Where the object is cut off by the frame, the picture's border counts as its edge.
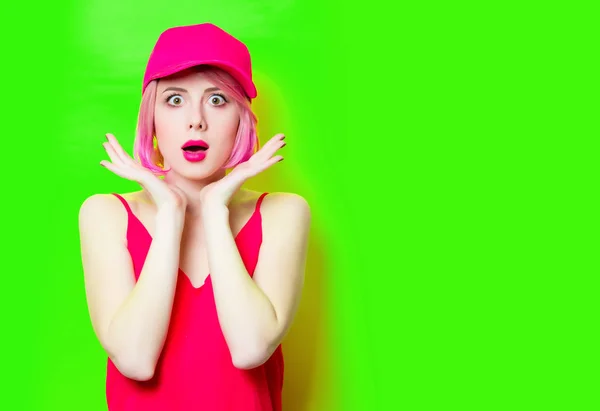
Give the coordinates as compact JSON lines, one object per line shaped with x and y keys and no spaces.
{"x":255,"y":313}
{"x":130,"y":319}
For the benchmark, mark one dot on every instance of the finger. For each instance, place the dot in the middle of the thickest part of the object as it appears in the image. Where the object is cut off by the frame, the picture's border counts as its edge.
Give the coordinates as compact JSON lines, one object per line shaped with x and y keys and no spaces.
{"x":273,"y":150}
{"x":175,"y":189}
{"x":117,"y":148}
{"x":276,"y":140}
{"x":271,"y":147}
{"x":268,"y":164}
{"x":274,"y":160}
{"x":113,"y":168}
{"x":114,"y":157}
{"x":178,"y":192}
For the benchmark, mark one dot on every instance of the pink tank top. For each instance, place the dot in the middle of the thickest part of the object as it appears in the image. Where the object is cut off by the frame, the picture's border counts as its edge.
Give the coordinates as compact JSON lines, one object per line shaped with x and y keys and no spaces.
{"x":195,"y":371}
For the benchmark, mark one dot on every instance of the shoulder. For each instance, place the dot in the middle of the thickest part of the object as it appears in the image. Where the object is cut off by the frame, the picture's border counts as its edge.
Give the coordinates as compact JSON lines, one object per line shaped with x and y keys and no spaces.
{"x":101,"y":208}
{"x":97,"y":204}
{"x":286,"y":202}
{"x":104,"y":202}
{"x":281,"y":209}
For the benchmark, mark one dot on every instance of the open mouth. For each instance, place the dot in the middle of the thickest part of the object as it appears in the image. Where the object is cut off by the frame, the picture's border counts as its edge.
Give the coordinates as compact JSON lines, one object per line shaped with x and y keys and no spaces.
{"x":195,"y":146}
{"x":194,"y":149}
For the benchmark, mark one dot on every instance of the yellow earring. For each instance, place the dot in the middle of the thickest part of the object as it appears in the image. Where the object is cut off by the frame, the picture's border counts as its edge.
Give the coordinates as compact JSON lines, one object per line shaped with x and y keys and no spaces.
{"x":159,"y":159}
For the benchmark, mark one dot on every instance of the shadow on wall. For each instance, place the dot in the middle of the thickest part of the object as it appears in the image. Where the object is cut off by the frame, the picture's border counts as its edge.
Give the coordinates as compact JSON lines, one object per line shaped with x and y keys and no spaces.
{"x":307,"y":362}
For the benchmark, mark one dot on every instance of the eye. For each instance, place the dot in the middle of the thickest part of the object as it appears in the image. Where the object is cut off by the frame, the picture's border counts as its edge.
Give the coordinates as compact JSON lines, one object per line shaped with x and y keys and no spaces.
{"x":217,"y":99}
{"x":175,"y":99}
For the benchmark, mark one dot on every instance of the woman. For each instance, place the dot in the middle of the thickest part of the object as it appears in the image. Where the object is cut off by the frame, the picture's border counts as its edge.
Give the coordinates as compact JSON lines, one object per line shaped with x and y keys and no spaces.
{"x":192,"y":282}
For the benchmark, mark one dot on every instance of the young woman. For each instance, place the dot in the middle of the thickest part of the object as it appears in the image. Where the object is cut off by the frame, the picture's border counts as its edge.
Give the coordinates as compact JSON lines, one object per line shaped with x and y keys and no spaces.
{"x":192,"y":282}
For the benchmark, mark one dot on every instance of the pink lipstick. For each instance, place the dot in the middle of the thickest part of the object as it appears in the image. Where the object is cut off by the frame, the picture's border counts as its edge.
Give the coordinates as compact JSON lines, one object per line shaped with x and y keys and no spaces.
{"x":195,"y":150}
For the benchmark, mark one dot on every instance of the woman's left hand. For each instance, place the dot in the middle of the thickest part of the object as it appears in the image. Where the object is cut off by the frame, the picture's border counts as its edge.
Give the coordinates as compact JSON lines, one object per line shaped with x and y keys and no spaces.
{"x":220,"y":192}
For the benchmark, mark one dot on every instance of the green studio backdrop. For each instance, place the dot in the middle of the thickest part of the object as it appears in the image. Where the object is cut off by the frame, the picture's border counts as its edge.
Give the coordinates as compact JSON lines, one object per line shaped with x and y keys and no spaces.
{"x":449,"y":154}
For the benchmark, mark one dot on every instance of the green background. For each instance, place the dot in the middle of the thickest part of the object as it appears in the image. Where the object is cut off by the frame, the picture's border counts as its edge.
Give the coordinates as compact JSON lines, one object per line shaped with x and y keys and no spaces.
{"x":448,"y":151}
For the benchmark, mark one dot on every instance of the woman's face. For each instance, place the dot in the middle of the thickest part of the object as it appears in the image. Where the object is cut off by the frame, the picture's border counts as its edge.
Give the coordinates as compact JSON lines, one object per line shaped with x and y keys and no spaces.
{"x":195,"y":124}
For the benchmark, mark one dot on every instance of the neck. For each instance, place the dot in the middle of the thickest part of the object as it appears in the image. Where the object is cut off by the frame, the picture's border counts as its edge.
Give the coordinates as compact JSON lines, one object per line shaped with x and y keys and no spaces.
{"x":192,"y":189}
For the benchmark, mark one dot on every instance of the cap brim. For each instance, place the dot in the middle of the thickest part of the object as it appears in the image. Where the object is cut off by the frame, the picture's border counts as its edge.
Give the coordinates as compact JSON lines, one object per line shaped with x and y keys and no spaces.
{"x":246,"y":83}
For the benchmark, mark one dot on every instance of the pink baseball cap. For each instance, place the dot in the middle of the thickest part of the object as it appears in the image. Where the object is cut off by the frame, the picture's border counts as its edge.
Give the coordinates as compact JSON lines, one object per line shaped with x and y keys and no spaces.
{"x":182,"y":47}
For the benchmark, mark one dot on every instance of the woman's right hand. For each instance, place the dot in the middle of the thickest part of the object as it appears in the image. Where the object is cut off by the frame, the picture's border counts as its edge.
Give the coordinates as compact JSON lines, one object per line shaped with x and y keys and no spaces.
{"x":166,"y":197}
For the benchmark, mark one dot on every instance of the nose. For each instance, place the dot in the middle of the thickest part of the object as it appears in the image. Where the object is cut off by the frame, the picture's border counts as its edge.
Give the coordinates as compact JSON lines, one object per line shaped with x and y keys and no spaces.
{"x":197,"y":121}
{"x":197,"y":125}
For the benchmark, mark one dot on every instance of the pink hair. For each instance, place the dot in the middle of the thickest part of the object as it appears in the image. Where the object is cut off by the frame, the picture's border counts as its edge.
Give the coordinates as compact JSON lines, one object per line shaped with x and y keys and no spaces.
{"x":246,"y":140}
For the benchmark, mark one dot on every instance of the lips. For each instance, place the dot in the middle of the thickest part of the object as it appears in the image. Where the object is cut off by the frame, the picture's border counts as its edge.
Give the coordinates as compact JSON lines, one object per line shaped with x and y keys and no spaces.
{"x":194,"y":150}
{"x":195,"y":146}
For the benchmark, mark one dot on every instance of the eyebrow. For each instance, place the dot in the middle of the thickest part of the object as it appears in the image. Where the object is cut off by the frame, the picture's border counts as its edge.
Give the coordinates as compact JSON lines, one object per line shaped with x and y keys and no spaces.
{"x":182,"y":90}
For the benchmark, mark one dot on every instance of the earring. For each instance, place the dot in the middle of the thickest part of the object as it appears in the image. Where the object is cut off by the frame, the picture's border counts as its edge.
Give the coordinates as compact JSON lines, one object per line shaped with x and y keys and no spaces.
{"x":159,"y":159}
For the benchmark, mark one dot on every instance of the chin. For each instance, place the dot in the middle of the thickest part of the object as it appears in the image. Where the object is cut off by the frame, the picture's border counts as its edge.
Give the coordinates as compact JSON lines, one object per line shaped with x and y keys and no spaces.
{"x":197,"y":171}
{"x":197,"y":167}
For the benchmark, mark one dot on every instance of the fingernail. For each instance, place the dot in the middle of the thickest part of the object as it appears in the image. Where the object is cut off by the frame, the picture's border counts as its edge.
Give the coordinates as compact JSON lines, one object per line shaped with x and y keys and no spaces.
{"x":283,"y":145}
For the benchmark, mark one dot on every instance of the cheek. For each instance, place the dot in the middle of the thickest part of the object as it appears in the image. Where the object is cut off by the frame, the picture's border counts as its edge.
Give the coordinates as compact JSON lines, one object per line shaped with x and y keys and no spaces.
{"x":162,"y":121}
{"x":162,"y":129}
{"x":166,"y":126}
{"x":232,"y":123}
{"x":226,"y":126}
